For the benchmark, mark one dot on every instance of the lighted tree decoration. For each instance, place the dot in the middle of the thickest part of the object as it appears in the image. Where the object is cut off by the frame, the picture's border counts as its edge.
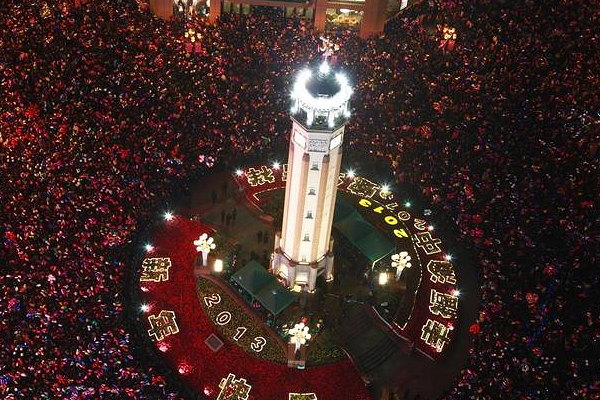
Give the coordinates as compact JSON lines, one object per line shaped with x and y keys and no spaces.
{"x":204,"y":245}
{"x":401,"y":261}
{"x":299,"y":335}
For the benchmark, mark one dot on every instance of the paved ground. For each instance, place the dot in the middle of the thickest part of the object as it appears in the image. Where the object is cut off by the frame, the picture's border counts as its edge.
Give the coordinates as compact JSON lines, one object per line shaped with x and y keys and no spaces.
{"x":246,"y":224}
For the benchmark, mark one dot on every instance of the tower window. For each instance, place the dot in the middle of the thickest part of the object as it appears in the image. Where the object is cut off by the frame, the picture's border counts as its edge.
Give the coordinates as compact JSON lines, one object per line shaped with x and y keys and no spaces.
{"x":306,"y":237}
{"x":311,"y":191}
{"x":315,"y":166}
{"x":309,"y":214}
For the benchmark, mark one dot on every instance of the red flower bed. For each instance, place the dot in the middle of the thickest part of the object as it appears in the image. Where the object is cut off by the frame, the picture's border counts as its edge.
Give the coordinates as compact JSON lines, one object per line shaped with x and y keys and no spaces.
{"x":203,"y":369}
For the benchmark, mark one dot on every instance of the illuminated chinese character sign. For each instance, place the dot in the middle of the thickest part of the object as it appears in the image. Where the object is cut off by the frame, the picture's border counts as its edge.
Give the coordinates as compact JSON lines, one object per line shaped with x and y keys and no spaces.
{"x":435,"y":304}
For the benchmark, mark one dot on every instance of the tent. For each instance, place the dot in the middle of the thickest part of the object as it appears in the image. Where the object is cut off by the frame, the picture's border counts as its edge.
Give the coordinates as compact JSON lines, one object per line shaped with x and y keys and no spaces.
{"x":264,"y":287}
{"x":364,"y":236}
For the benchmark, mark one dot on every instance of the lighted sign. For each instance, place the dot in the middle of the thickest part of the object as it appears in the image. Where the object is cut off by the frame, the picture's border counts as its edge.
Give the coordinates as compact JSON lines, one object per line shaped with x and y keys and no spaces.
{"x":162,"y":325}
{"x":227,"y":320}
{"x":155,"y":269}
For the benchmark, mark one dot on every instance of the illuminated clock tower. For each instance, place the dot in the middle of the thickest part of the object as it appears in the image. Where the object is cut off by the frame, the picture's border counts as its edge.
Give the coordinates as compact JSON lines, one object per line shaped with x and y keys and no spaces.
{"x":320,"y":111}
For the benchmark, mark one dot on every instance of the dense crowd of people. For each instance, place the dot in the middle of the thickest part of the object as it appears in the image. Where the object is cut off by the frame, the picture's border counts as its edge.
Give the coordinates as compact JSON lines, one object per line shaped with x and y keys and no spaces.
{"x":102,"y":107}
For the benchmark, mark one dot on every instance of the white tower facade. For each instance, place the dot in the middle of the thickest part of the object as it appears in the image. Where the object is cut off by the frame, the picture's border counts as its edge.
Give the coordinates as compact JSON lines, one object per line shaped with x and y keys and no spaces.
{"x":320,"y":111}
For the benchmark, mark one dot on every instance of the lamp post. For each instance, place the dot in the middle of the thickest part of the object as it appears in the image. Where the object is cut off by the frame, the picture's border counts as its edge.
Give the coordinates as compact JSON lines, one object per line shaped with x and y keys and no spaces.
{"x":401,"y":261}
{"x":299,"y":335}
{"x":204,"y":245}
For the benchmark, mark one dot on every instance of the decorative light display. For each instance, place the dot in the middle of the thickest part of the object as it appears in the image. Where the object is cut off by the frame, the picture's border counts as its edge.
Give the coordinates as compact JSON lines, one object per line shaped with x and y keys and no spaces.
{"x":420,"y":224}
{"x":443,"y":304}
{"x":302,"y":396}
{"x":161,"y":325}
{"x":425,"y":241}
{"x":168,"y":216}
{"x":331,"y":107}
{"x":377,"y":198}
{"x":441,"y":271}
{"x":259,"y":177}
{"x":155,"y":269}
{"x":299,"y":335}
{"x":401,"y":261}
{"x":148,"y":247}
{"x":435,"y":334}
{"x":233,"y":389}
{"x":204,"y":245}
{"x":224,"y":318}
{"x":363,"y":187}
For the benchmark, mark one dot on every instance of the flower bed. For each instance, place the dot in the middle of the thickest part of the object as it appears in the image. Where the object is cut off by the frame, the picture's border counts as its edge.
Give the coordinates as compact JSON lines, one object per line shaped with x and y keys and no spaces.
{"x":240,"y":328}
{"x":203,"y":369}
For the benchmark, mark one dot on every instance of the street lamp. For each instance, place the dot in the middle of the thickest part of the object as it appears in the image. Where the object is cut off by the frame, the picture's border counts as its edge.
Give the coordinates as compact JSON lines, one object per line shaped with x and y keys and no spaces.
{"x":204,"y":245}
{"x":299,"y":335}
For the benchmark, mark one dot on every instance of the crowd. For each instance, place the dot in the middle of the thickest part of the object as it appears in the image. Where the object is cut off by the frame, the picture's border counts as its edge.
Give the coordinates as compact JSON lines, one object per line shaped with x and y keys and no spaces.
{"x":101,"y":108}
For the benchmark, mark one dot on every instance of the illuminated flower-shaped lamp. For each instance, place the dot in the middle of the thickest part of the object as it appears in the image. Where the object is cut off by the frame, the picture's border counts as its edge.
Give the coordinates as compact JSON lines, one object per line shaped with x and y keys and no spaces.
{"x":299,"y":335}
{"x":204,"y":245}
{"x":401,"y":261}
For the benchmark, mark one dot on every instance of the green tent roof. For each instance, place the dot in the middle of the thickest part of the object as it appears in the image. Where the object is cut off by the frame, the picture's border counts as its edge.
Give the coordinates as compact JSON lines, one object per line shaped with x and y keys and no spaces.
{"x":252,"y":277}
{"x":367,"y":239}
{"x":264,"y":287}
{"x":275,"y":297}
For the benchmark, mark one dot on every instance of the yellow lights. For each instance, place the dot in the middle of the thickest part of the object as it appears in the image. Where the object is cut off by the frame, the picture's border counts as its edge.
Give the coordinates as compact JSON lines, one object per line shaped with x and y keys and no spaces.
{"x":383,"y":278}
{"x":448,"y":33}
{"x":192,"y":35}
{"x":218,"y":266}
{"x":155,"y":269}
{"x":162,"y":325}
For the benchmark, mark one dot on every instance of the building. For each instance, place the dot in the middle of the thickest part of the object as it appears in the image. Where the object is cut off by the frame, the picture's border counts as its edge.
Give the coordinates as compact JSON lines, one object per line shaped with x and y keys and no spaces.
{"x":320,"y":111}
{"x":367,"y":17}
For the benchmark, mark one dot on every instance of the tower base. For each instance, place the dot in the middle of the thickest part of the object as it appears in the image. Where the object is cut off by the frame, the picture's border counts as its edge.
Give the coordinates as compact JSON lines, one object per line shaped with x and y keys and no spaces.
{"x":296,"y":273}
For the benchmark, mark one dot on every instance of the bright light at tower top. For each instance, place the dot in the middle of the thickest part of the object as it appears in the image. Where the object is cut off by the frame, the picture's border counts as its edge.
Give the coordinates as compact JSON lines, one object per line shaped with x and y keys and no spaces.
{"x":321,"y":96}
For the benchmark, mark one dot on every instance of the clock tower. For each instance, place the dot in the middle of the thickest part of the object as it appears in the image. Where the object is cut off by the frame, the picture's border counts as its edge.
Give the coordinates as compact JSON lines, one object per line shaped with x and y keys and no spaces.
{"x":320,"y":111}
